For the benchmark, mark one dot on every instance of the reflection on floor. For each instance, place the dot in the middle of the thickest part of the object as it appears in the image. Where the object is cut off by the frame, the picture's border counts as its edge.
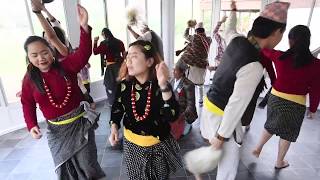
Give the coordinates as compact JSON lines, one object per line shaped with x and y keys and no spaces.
{"x":22,"y":158}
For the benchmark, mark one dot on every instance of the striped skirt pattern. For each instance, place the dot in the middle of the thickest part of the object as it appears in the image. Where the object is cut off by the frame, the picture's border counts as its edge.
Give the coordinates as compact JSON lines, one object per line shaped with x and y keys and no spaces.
{"x":73,"y":146}
{"x":284,"y":118}
{"x":152,"y":163}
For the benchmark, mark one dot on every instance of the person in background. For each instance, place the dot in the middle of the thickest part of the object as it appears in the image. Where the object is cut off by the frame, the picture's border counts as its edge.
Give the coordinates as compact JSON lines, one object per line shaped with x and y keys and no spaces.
{"x":183,"y":90}
{"x":195,"y":54}
{"x":56,"y":25}
{"x":84,"y":80}
{"x":188,"y":34}
{"x":148,"y":35}
{"x":54,"y":35}
{"x":112,"y":53}
{"x":297,"y":75}
{"x":234,"y":84}
{"x":146,"y":104}
{"x":220,"y":44}
{"x":54,"y":87}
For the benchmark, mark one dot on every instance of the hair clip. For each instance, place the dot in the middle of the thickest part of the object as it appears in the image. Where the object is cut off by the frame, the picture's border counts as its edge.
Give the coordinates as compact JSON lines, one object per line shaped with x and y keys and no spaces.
{"x":147,"y":47}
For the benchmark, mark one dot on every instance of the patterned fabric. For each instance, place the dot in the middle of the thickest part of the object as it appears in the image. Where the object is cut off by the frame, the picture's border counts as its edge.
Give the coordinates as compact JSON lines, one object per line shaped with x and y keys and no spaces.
{"x":276,"y":11}
{"x":161,"y":112}
{"x":73,"y":146}
{"x":284,"y":118}
{"x":154,"y":162}
{"x":221,"y":44}
{"x":196,"y":53}
{"x":185,"y":95}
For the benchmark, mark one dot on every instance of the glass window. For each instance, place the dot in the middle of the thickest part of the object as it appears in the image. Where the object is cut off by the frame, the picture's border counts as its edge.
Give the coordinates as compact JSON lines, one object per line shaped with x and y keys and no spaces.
{"x":116,"y":19}
{"x":97,"y":22}
{"x":298,"y":14}
{"x":183,"y":13}
{"x":14,"y":30}
{"x":56,"y":9}
{"x":202,"y":12}
{"x":154,"y":15}
{"x":315,"y":27}
{"x":247,"y":12}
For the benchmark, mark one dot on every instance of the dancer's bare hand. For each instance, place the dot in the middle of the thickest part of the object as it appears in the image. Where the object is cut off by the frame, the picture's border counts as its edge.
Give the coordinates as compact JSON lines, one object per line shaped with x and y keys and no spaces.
{"x":216,"y":143}
{"x":35,"y":132}
{"x":162,"y":74}
{"x":224,"y":19}
{"x":36,"y":5}
{"x":114,"y":135}
{"x":233,"y":5}
{"x":83,"y":17}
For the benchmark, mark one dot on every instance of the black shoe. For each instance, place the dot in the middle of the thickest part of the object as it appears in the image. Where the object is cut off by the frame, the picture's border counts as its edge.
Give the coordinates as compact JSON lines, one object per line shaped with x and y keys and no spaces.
{"x":200,"y":104}
{"x":261,"y":105}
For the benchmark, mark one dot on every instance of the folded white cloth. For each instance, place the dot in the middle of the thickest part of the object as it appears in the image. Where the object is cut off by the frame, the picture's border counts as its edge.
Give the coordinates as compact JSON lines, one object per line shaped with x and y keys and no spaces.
{"x":202,"y":160}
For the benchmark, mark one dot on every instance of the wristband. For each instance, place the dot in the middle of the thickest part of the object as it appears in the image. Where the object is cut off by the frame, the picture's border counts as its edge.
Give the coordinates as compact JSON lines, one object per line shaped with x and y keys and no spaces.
{"x":166,"y":89}
{"x":222,"y":138}
{"x":36,"y":12}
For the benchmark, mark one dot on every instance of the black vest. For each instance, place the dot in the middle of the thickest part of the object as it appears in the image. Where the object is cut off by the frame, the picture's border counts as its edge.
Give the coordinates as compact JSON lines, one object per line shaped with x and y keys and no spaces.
{"x":239,"y":53}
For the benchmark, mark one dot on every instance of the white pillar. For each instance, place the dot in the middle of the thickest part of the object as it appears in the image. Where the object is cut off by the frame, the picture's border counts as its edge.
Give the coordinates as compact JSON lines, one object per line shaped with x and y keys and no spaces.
{"x":168,"y":31}
{"x":73,"y":26}
{"x":215,"y":14}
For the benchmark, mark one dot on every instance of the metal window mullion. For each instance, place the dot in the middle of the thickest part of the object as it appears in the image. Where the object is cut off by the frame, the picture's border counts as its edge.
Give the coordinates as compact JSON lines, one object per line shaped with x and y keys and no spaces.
{"x":105,"y":5}
{"x":29,"y":17}
{"x":311,"y":12}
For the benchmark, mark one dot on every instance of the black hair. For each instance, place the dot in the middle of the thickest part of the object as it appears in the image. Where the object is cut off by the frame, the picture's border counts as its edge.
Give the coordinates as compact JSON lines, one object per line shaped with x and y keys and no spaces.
{"x":200,"y":30}
{"x":33,"y":71}
{"x":145,"y":45}
{"x":263,"y":27}
{"x":300,"y":37}
{"x":112,"y":43}
{"x":149,"y":51}
{"x":60,"y":34}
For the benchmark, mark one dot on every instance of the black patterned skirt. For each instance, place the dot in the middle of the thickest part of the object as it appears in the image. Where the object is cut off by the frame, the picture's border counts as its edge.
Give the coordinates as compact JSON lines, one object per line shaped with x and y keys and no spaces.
{"x":152,"y":163}
{"x":284,"y":118}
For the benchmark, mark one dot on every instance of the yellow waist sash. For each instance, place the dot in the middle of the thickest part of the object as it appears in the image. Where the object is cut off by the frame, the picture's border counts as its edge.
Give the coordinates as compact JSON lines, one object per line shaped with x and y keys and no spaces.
{"x":139,"y":139}
{"x":212,"y":107}
{"x":85,"y":82}
{"x":67,"y":121}
{"x":300,"y":99}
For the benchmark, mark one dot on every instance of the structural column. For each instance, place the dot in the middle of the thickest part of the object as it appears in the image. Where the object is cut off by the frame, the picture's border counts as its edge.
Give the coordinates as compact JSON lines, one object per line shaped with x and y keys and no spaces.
{"x":73,"y":26}
{"x":168,"y":31}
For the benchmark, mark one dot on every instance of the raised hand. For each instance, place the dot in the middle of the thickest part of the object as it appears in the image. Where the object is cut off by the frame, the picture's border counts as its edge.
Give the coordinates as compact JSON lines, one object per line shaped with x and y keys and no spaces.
{"x":96,"y":39}
{"x":233,"y":5}
{"x":162,"y":75}
{"x":83,"y":17}
{"x":37,"y":6}
{"x":224,"y":18}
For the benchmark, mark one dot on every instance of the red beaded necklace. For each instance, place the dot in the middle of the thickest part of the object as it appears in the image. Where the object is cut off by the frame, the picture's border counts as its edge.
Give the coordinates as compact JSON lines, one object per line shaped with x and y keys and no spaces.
{"x":133,"y":103}
{"x":66,"y":98}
